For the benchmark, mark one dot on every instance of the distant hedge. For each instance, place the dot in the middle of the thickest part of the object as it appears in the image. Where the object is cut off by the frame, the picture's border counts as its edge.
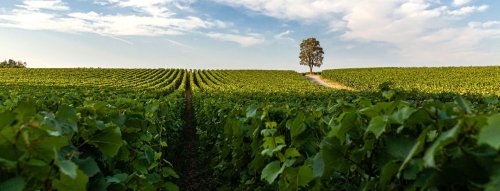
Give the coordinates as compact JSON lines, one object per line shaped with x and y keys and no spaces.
{"x":12,"y":64}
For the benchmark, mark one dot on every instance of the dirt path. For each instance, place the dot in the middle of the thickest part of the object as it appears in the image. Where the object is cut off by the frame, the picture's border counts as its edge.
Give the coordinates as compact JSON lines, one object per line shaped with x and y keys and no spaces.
{"x":188,"y":156}
{"x":317,"y":79}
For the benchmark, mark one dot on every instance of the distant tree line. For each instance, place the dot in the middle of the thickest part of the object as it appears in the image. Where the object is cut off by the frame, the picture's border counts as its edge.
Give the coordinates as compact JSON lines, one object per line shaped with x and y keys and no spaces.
{"x":12,"y":64}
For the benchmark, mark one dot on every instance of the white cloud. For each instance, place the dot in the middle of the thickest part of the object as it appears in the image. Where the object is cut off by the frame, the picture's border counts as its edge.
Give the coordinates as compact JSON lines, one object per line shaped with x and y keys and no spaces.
{"x":487,"y":24}
{"x":468,"y":10}
{"x":420,"y":30}
{"x":292,"y":9}
{"x":460,"y":2}
{"x":34,"y":20}
{"x":177,"y":43}
{"x":349,"y":47}
{"x":390,"y":22}
{"x":338,"y":25}
{"x":157,"y":20}
{"x":151,"y":7}
{"x":138,"y":25}
{"x":284,"y":36}
{"x":243,"y":40}
{"x":184,"y":5}
{"x":34,"y":5}
{"x":150,"y":18}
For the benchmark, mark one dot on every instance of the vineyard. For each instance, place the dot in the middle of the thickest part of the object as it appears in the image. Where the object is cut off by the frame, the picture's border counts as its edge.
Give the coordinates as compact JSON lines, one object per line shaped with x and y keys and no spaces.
{"x":273,"y":131}
{"x":89,"y":129}
{"x":463,"y":80}
{"x":171,"y":129}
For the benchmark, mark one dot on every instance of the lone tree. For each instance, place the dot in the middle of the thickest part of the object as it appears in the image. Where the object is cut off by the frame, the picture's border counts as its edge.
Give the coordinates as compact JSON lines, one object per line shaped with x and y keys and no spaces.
{"x":311,"y":53}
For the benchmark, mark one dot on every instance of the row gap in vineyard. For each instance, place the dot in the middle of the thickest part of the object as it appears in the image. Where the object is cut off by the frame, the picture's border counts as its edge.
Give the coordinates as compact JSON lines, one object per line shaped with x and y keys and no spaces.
{"x":187,"y":162}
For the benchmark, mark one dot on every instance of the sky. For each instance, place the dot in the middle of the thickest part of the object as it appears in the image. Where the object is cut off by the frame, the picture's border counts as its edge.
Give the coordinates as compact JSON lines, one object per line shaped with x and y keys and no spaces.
{"x":249,"y":34}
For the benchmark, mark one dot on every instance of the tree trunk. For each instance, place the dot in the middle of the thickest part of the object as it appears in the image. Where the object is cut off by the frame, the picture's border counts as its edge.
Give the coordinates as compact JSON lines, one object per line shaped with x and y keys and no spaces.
{"x":310,"y":69}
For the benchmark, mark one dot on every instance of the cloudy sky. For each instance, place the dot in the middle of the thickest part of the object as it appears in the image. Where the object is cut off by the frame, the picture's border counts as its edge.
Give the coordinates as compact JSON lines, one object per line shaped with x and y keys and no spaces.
{"x":249,"y":34}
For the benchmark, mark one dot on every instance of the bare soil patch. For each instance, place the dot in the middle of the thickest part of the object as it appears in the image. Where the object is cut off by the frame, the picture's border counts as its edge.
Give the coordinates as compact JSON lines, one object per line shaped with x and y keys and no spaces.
{"x":328,"y":83}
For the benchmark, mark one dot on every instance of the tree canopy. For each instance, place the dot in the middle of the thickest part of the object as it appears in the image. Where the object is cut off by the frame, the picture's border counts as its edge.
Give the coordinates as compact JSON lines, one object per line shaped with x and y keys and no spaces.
{"x":311,"y":53}
{"x":12,"y":64}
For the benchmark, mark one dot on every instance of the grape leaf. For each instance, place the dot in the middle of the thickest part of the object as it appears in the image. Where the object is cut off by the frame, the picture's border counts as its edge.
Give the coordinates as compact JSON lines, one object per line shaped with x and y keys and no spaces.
{"x":251,"y":111}
{"x":494,"y":183}
{"x":271,"y":171}
{"x":443,"y":140}
{"x":66,"y":183}
{"x":377,"y":126}
{"x":291,"y":152}
{"x":108,"y":141}
{"x":402,"y":114}
{"x":305,"y":175}
{"x":88,"y":165}
{"x":388,"y":172}
{"x":491,"y":133}
{"x":68,"y":168}
{"x":14,"y":184}
{"x":66,"y":116}
{"x":417,"y":147}
{"x":6,"y":118}
{"x":171,"y":186}
{"x":318,"y":165}
{"x":463,"y":104}
{"x":117,"y":178}
{"x":298,"y":125}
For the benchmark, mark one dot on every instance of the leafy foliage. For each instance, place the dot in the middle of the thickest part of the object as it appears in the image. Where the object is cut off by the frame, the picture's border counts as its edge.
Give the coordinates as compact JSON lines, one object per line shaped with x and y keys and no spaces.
{"x":12,"y":64}
{"x":311,"y":53}
{"x":256,"y":138}
{"x":89,"y":129}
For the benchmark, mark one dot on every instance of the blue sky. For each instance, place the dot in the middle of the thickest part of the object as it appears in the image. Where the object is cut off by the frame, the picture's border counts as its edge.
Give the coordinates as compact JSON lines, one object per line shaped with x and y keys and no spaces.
{"x":249,"y":34}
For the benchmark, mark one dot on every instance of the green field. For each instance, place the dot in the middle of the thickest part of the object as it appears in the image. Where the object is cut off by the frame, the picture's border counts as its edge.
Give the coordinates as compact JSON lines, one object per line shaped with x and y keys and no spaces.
{"x":134,"y":129}
{"x":462,"y":80}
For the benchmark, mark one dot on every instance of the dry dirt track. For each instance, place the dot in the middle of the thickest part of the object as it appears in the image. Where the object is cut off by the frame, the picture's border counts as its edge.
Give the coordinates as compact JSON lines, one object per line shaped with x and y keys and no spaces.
{"x":317,"y":79}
